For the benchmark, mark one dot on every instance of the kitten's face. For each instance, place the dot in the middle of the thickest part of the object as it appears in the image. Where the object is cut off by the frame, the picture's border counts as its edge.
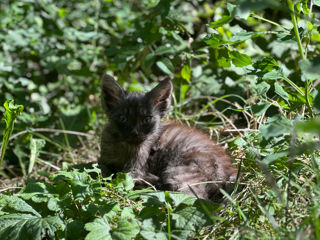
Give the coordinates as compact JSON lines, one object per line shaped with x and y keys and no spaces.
{"x":135,"y":116}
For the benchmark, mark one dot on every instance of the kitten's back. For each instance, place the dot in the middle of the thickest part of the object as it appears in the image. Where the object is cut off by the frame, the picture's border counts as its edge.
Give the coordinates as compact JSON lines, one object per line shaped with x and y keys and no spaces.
{"x":186,"y":156}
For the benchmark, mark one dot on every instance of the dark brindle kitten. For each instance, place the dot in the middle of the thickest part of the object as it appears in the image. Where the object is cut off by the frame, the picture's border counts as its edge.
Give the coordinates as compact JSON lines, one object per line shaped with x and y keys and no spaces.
{"x":166,"y":154}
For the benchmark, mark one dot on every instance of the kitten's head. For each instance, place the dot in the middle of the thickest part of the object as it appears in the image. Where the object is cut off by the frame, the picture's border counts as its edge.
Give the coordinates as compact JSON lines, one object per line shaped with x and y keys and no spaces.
{"x":136,"y":116}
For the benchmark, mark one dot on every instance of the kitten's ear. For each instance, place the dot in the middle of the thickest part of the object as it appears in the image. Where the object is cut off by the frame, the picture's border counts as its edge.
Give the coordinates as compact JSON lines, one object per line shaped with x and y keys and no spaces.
{"x":160,"y":96}
{"x":111,"y":92}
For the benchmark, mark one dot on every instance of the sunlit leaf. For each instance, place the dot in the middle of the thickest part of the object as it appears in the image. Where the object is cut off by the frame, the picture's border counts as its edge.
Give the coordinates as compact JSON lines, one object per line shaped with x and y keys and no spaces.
{"x":186,"y":72}
{"x":280,"y":91}
{"x":240,"y":59}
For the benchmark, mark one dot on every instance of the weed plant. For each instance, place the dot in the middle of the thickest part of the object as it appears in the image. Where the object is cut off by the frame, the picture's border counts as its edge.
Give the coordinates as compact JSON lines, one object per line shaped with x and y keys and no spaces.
{"x":246,"y":72}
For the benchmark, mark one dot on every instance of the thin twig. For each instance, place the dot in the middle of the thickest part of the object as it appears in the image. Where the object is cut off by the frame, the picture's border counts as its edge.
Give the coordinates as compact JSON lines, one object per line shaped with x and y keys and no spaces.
{"x":59,"y":131}
{"x":208,"y":182}
{"x":241,"y":130}
{"x":149,"y":184}
{"x":5,"y":189}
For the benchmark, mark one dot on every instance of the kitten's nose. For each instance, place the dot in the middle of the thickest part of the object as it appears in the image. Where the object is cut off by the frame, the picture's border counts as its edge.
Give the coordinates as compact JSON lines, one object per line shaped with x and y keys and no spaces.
{"x":134,"y":132}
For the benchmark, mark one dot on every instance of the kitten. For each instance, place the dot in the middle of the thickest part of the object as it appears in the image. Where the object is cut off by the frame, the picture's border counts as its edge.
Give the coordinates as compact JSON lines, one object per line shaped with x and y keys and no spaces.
{"x":166,"y":154}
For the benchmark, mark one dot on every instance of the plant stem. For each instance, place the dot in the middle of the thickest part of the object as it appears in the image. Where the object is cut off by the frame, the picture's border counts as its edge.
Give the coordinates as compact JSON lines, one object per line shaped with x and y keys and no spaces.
{"x":169,"y":221}
{"x":267,"y":20}
{"x":295,"y":28}
{"x":302,"y":55}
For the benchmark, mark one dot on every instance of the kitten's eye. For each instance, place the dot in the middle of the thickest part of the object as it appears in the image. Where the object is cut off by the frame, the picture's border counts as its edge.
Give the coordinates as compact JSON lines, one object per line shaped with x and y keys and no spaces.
{"x":147,"y":119}
{"x":122,"y":119}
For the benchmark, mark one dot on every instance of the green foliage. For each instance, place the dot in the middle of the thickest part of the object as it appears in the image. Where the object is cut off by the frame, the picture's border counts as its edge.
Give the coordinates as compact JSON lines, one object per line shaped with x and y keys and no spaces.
{"x":71,"y":204}
{"x":11,"y":113}
{"x":249,"y":66}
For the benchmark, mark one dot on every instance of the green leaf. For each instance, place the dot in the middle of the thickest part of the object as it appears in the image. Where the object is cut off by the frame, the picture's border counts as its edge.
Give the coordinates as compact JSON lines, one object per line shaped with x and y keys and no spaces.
{"x":11,"y":113}
{"x":276,"y":126}
{"x":260,"y":108}
{"x":225,"y":19}
{"x":240,"y":59}
{"x":127,"y":226}
{"x":152,"y":230}
{"x":35,"y":145}
{"x":280,"y":91}
{"x":75,"y":230}
{"x":273,"y":75}
{"x":215,"y":40}
{"x":162,"y":50}
{"x":223,"y":58}
{"x":220,"y":22}
{"x":186,"y":73}
{"x":166,"y":66}
{"x":312,"y":126}
{"x":99,"y":229}
{"x":273,"y":157}
{"x":183,"y":91}
{"x":123,"y":181}
{"x":310,"y":69}
{"x":262,"y":88}
{"x":17,"y":204}
{"x":316,"y":2}
{"x":267,"y":64}
{"x":187,"y":221}
{"x":244,"y":35}
{"x":25,"y":226}
{"x":181,"y":198}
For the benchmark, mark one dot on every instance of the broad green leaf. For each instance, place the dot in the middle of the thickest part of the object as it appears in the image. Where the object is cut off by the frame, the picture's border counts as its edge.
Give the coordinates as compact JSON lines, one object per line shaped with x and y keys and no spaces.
{"x":223,"y":58}
{"x":310,"y":69}
{"x":75,"y":230}
{"x":316,"y":2}
{"x":280,"y":91}
{"x":11,"y":113}
{"x":99,"y":229}
{"x":154,"y":198}
{"x":35,"y":146}
{"x":186,"y":72}
{"x":240,"y":142}
{"x":153,"y":230}
{"x":183,"y":91}
{"x":189,"y":219}
{"x":123,"y":181}
{"x":17,"y":204}
{"x":127,"y":226}
{"x":243,"y":36}
{"x":25,"y":226}
{"x":220,"y":22}
{"x":273,"y":75}
{"x":149,"y":60}
{"x":312,"y":126}
{"x":240,"y":59}
{"x":225,"y":19}
{"x":267,"y":64}
{"x":164,"y":50}
{"x":260,"y":108}
{"x":215,"y":40}
{"x":262,"y":88}
{"x":166,"y":66}
{"x":276,"y":126}
{"x":273,"y":157}
{"x":181,"y":198}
